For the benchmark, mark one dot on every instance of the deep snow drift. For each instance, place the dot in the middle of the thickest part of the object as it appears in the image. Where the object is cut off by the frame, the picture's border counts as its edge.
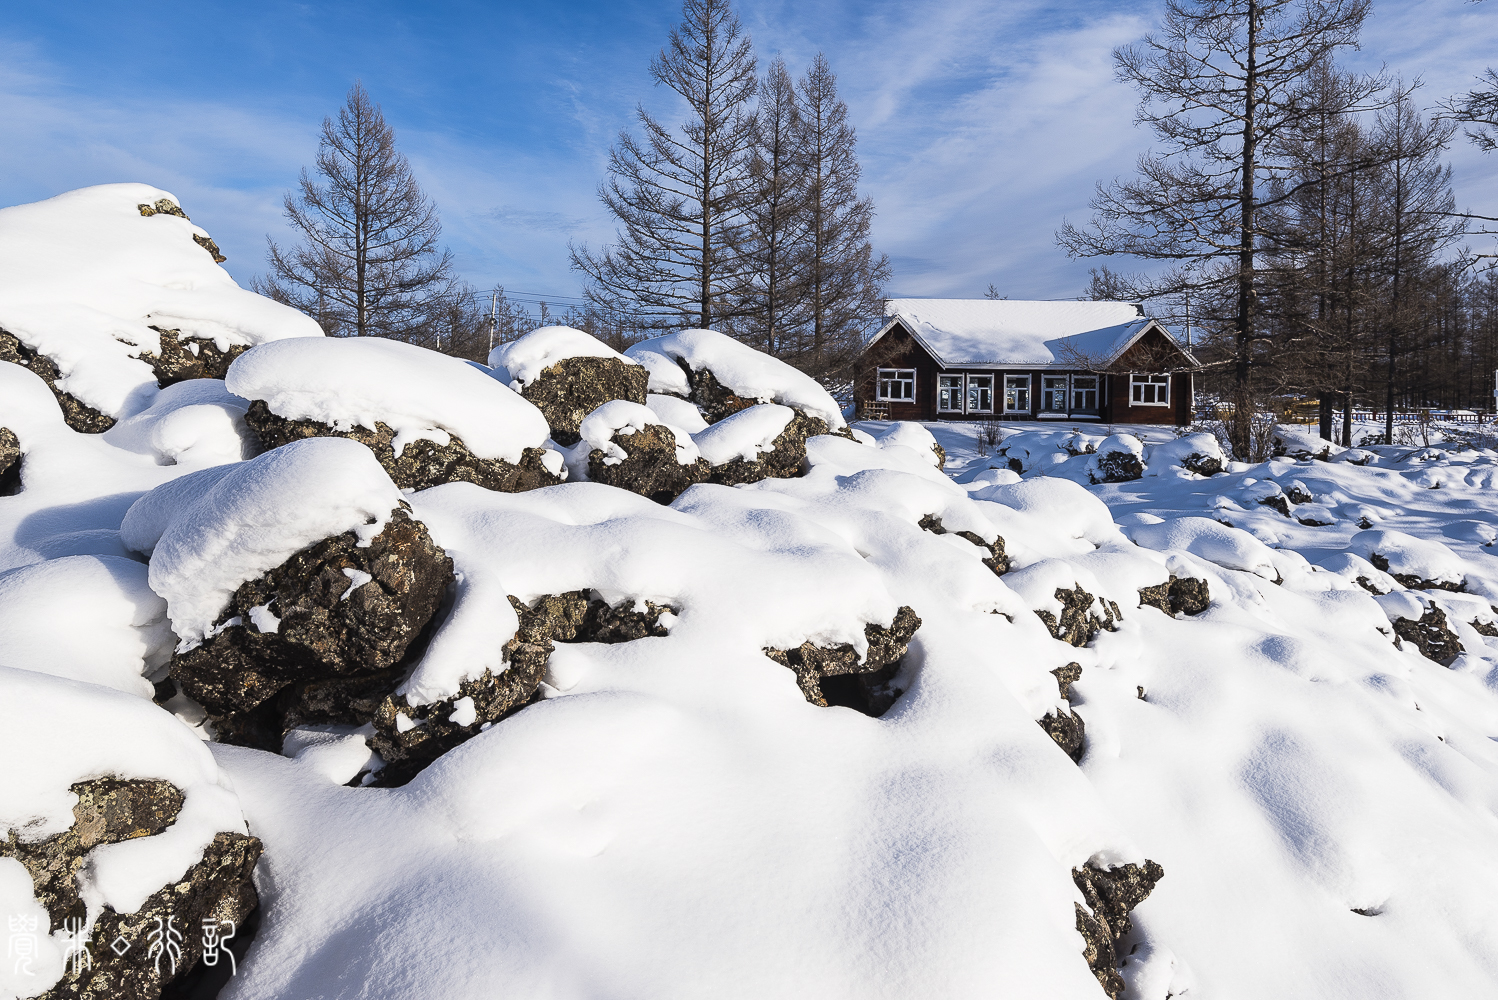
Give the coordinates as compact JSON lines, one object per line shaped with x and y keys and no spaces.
{"x":1278,"y":682}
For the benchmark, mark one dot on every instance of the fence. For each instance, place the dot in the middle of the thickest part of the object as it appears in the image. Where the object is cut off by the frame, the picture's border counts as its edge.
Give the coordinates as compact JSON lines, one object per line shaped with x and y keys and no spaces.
{"x":1370,"y":416}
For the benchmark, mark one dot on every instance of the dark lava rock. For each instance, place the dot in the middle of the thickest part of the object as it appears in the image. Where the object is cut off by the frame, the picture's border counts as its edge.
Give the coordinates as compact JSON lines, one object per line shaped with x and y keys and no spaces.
{"x":1484,"y":628}
{"x":1178,"y":595}
{"x":996,"y":559}
{"x":570,"y":617}
{"x":785,"y":460}
{"x":164,"y":206}
{"x":421,"y":464}
{"x":181,"y":358}
{"x":941,"y":455}
{"x":217,"y":888}
{"x":1278,"y":502}
{"x":1202,"y":465}
{"x":712,"y":397}
{"x":1298,"y":493}
{"x":1431,"y":635}
{"x":10,"y":462}
{"x":1117,"y":467}
{"x":650,"y":467}
{"x":1414,"y":582}
{"x":206,"y":242}
{"x":347,"y":616}
{"x":1111,"y":896}
{"x":1079,"y":624}
{"x":80,"y":416}
{"x":568,"y":390}
{"x":1312,"y":521}
{"x":833,"y":675}
{"x":1066,"y":728}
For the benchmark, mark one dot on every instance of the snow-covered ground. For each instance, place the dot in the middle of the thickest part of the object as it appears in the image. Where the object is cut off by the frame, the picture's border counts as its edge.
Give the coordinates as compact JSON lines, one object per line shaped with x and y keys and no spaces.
{"x":673,"y":816}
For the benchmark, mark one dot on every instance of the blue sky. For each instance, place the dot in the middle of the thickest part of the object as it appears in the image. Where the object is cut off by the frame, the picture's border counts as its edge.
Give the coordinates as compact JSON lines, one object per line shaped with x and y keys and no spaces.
{"x":981,"y":125}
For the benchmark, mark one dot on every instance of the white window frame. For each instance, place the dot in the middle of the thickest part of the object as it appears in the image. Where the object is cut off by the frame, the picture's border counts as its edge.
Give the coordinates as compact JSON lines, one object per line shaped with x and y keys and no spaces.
{"x":972,"y":390}
{"x":1096,"y":390}
{"x":1139,"y":382}
{"x":1022,"y":383}
{"x":894,"y":376}
{"x":1045,"y":393}
{"x":955,"y":392}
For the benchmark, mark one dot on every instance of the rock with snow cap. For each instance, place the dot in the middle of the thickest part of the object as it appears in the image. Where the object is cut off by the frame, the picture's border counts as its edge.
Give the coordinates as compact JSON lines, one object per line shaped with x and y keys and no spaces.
{"x":1119,"y":459}
{"x":627,"y":446}
{"x":567,"y":374}
{"x":429,"y":418}
{"x":837,"y":675}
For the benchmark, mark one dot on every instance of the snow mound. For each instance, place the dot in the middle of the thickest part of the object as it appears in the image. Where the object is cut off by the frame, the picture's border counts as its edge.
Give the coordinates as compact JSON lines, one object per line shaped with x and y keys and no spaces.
{"x":746,"y":434}
{"x":1424,"y":562}
{"x":521,"y":362}
{"x":88,"y":618}
{"x":84,"y":277}
{"x":194,"y":423}
{"x":1179,"y":453}
{"x":360,"y":381}
{"x":620,"y":416}
{"x":909,"y":434}
{"x":738,"y":367}
{"x":1231,"y":548}
{"x":251,"y":519}
{"x":676,"y":411}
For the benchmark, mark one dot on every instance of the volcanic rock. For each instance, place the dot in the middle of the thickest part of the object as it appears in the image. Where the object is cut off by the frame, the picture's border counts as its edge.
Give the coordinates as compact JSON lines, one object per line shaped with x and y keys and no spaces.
{"x":568,"y":390}
{"x":10,"y":462}
{"x":1066,"y":728}
{"x":217,"y":888}
{"x":996,"y":559}
{"x":1111,"y":896}
{"x":1431,"y":635}
{"x":1079,"y":624}
{"x":651,"y":466}
{"x":1178,"y":595}
{"x":422,"y":463}
{"x":319,"y":639}
{"x":834,"y":675}
{"x":79,"y":415}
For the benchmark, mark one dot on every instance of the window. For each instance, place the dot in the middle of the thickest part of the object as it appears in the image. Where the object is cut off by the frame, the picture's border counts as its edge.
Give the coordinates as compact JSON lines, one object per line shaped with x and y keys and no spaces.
{"x":1084,"y":393}
{"x":897,"y":384}
{"x":1053,"y":393}
{"x":949,"y":393}
{"x":1149,"y":390}
{"x":1017,"y":393}
{"x":980,"y":394}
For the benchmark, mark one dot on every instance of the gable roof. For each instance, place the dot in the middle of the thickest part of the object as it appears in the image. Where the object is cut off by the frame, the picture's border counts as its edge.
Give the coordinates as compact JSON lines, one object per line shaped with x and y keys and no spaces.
{"x":960,"y":333}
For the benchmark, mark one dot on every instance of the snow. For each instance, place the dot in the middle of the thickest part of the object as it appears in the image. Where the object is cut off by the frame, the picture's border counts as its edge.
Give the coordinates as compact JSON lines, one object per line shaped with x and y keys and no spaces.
{"x":361,"y":381}
{"x":88,"y":618}
{"x":739,"y":367}
{"x":251,"y":520}
{"x":909,"y":434}
{"x":521,"y":362}
{"x":979,"y":332}
{"x":746,"y":434}
{"x":84,"y":277}
{"x":620,"y":416}
{"x":676,"y":411}
{"x":1323,"y":802}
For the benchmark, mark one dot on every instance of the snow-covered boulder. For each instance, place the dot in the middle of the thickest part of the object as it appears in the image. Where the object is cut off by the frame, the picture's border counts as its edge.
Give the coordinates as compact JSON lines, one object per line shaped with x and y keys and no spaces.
{"x":722,"y":376}
{"x":1231,"y":548}
{"x":1418,"y":563}
{"x":626,"y":445}
{"x":429,"y":418}
{"x":838,"y":675}
{"x":295,"y":582}
{"x":1119,"y":459}
{"x":1300,"y":443}
{"x":1423,"y":624}
{"x":194,"y":423}
{"x":10,"y":462}
{"x":1198,"y":453}
{"x":760,"y":442}
{"x":108,"y":293}
{"x":116,"y":820}
{"x":909,"y":434}
{"x":567,"y":374}
{"x":1267,"y":493}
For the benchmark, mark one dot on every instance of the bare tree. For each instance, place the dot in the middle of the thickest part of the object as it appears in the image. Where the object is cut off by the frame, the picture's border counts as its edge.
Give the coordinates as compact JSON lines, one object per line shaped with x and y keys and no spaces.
{"x":775,"y":234}
{"x":678,"y":194}
{"x":1219,"y":85}
{"x":369,"y":263}
{"x":842,"y":274}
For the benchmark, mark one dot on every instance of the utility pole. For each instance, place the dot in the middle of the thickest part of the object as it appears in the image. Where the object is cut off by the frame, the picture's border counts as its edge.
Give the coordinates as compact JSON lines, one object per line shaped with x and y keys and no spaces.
{"x":493,"y":304}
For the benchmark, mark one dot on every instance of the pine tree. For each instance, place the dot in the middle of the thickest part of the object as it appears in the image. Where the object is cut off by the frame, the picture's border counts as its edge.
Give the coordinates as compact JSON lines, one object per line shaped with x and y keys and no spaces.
{"x":369,"y":263}
{"x":842,"y":275}
{"x":678,"y":194}
{"x":774,"y":237}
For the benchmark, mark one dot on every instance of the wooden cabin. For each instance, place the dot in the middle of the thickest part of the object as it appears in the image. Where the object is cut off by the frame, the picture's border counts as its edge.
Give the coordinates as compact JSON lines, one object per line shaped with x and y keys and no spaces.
{"x":971,"y":359}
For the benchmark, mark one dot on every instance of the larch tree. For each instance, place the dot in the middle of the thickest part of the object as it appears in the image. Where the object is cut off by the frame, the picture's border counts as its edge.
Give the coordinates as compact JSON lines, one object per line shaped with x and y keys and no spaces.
{"x":678,"y":193}
{"x":1220,"y":84}
{"x":368,"y":263}
{"x":842,"y":275}
{"x":774,"y":237}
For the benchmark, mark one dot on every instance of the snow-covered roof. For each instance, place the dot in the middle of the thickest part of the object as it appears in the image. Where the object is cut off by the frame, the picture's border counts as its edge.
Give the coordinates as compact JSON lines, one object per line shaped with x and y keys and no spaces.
{"x":972,"y":332}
